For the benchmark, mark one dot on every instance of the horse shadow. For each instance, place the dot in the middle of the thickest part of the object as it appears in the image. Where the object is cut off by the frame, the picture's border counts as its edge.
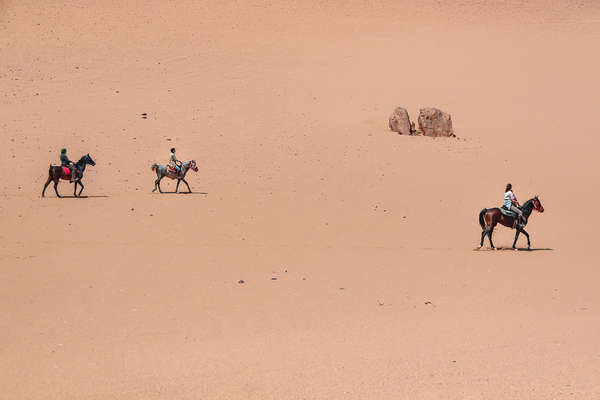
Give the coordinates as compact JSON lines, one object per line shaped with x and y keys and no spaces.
{"x":188,"y":193}
{"x":98,"y":196}
{"x":511,"y":249}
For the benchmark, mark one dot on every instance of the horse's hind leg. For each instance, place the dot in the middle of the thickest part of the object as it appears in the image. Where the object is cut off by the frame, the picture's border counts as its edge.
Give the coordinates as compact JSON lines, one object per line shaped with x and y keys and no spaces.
{"x":55,"y":188}
{"x":46,"y":185}
{"x":490,"y":231}
{"x":156,"y":182}
{"x":483,"y":233}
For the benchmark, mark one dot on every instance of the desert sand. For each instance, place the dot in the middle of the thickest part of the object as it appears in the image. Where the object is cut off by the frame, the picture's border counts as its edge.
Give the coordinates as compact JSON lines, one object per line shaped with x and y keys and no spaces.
{"x":354,"y":244}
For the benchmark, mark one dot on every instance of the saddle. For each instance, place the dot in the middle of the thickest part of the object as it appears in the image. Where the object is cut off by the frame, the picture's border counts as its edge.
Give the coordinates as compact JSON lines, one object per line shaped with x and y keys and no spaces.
{"x":513,"y":215}
{"x":171,"y":170}
{"x":507,"y":212}
{"x":66,"y":171}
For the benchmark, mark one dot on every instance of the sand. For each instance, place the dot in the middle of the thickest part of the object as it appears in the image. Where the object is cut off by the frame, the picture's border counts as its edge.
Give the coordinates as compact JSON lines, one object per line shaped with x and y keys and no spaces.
{"x":354,"y":244}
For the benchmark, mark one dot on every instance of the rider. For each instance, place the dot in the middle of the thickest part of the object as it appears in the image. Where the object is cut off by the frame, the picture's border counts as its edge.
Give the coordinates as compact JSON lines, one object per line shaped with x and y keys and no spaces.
{"x":511,"y":203}
{"x":174,"y":162}
{"x":65,"y":162}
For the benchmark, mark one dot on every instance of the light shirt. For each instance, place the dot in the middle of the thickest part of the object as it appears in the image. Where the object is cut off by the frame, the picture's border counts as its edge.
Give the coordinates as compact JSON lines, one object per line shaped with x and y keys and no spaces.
{"x":509,"y":199}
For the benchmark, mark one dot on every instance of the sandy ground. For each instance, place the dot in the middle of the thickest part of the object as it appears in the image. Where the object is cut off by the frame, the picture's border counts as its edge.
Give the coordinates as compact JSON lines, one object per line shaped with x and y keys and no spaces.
{"x":355,"y":245}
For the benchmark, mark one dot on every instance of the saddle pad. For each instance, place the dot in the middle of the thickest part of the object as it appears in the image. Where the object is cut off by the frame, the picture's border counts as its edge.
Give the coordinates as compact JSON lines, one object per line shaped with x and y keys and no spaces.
{"x":66,"y":171}
{"x":507,"y":212}
{"x":171,"y":169}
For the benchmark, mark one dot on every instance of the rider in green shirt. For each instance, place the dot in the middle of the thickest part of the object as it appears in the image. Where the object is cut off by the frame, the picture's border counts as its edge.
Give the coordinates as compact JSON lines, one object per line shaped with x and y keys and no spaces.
{"x":174,"y":162}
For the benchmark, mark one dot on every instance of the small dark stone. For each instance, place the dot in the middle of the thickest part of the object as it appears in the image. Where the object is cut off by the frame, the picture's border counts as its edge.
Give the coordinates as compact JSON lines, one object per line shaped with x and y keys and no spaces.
{"x":273,"y":279}
{"x":241,"y":281}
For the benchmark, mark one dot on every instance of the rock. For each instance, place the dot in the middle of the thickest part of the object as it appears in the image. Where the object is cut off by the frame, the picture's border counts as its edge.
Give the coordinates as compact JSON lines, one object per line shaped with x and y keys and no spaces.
{"x":400,"y":121}
{"x":434,"y":122}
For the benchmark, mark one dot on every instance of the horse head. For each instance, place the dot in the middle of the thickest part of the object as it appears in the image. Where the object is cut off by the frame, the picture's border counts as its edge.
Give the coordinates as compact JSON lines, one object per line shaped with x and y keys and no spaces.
{"x":192,"y":165}
{"x":89,"y":160}
{"x":537,"y":204}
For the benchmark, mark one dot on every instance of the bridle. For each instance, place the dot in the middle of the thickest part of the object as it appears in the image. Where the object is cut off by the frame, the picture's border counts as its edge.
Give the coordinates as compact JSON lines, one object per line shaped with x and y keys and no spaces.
{"x":536,"y":204}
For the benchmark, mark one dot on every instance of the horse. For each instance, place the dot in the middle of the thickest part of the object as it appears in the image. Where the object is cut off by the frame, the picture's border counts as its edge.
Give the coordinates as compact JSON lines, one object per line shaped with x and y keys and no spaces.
{"x":163,"y":170}
{"x":57,"y":172}
{"x":488,"y":219}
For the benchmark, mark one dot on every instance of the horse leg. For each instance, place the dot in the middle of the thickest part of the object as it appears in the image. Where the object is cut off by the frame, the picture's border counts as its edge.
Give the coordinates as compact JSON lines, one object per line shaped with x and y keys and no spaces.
{"x":55,"y":187}
{"x":158,"y":183}
{"x":75,"y":189}
{"x":490,"y":231}
{"x":516,"y":237}
{"x":188,"y":186}
{"x":46,"y":185}
{"x":177,"y":187}
{"x":483,"y":233}
{"x":528,"y":241}
{"x":81,"y":190}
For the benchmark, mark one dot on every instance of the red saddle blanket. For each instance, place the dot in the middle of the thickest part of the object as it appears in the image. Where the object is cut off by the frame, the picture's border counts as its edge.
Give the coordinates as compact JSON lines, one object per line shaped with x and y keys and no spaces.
{"x":171,"y":169}
{"x":66,"y":171}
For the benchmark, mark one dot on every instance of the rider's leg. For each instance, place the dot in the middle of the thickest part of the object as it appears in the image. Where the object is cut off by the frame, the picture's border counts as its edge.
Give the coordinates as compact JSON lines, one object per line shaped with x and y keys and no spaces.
{"x":519,"y":214}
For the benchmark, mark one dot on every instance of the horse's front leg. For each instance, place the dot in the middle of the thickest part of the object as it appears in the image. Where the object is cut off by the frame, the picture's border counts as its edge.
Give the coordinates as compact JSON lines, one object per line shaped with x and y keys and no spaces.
{"x":80,"y":184}
{"x":527,"y":236}
{"x":75,"y":189}
{"x":177,"y":187}
{"x":188,"y":186}
{"x":514,"y":246}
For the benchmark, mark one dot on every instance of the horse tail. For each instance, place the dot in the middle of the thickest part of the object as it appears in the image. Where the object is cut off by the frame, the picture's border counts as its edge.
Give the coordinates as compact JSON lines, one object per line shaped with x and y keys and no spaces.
{"x":481,"y":221}
{"x":154,"y":166}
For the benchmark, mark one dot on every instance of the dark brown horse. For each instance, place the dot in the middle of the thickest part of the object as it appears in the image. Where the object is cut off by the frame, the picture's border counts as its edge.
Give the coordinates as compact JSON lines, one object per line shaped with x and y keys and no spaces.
{"x":57,"y":172}
{"x":488,"y":219}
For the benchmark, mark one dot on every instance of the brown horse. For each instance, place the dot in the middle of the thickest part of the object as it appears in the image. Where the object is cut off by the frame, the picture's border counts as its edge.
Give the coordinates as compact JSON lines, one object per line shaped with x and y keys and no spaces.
{"x":488,"y":219}
{"x":56,"y":172}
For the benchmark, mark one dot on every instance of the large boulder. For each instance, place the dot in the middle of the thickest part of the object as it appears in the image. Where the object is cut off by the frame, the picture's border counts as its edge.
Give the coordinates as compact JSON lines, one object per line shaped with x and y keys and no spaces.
{"x":400,"y":121}
{"x":434,"y":122}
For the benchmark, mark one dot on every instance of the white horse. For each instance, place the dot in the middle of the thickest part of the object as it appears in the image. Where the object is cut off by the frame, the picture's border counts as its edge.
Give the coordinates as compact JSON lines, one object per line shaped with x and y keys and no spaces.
{"x":163,"y":170}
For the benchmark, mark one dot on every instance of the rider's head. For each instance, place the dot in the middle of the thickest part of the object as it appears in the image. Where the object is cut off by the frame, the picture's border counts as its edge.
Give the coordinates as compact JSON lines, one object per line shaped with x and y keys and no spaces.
{"x":508,"y":187}
{"x":172,"y":149}
{"x":63,"y":151}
